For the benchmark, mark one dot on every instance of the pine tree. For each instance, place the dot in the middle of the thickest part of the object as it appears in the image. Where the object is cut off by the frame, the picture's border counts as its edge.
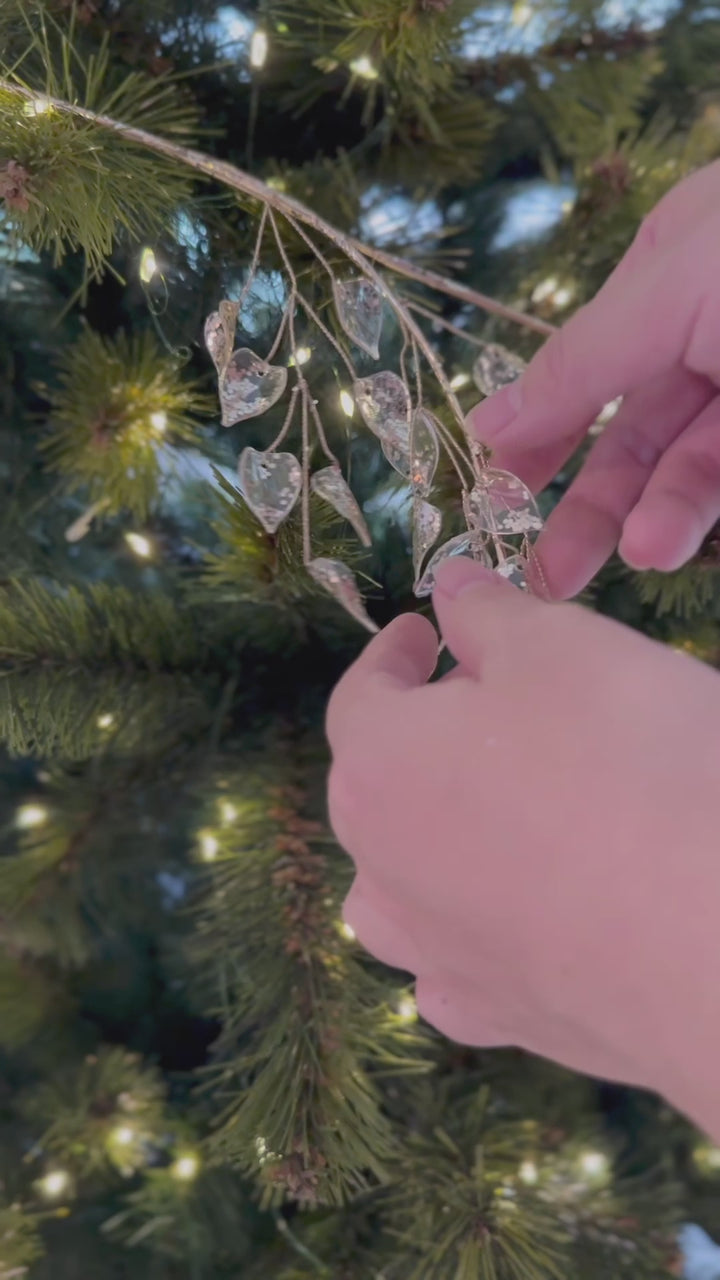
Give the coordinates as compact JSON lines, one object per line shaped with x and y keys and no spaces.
{"x":202,"y":1075}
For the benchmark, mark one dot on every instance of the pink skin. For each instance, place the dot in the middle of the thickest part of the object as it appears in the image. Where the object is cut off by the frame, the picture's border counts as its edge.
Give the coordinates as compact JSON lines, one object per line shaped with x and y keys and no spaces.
{"x":535,"y":837}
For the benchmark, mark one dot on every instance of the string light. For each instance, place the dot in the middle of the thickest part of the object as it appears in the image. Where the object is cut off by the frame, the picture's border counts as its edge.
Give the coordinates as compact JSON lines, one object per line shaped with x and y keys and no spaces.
{"x":707,"y":1158}
{"x":30,"y":815}
{"x":37,"y":106}
{"x":550,"y":290}
{"x":54,"y":1184}
{"x":159,"y":421}
{"x":407,"y":1009}
{"x":185,"y":1168}
{"x":123,"y":1135}
{"x":259,"y":49}
{"x":594,"y":1164}
{"x":348,"y":932}
{"x":563,"y":296}
{"x":364,"y":68}
{"x":138,"y":543}
{"x":148,"y":264}
{"x":209,"y":846}
{"x":347,"y":404}
{"x":106,"y":720}
{"x":228,"y":812}
{"x":276,"y":184}
{"x":459,"y":381}
{"x":301,"y":356}
{"x":528,"y":1173}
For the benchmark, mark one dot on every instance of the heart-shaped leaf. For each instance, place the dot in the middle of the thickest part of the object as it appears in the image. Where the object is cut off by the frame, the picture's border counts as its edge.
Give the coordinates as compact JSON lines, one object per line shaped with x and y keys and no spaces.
{"x":427,"y":523}
{"x":465,"y":544}
{"x":359,"y":307}
{"x":220,"y":334}
{"x":249,"y":386}
{"x":496,"y":367}
{"x":271,"y":484}
{"x":501,"y":504}
{"x":385,"y":407}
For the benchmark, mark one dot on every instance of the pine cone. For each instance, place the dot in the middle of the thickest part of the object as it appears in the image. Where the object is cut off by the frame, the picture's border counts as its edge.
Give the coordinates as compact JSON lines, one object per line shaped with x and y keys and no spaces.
{"x":13,"y":186}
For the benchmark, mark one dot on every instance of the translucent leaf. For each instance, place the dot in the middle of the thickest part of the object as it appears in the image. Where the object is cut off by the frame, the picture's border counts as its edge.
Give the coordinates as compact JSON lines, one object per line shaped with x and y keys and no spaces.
{"x":330,"y":485}
{"x":496,"y":367}
{"x":500,"y":504}
{"x":424,"y":451}
{"x":515,"y":570}
{"x":271,"y":484}
{"x":249,"y":386}
{"x":465,"y":544}
{"x":359,"y":306}
{"x":220,"y":334}
{"x":339,"y":581}
{"x":427,"y":523}
{"x":385,"y":407}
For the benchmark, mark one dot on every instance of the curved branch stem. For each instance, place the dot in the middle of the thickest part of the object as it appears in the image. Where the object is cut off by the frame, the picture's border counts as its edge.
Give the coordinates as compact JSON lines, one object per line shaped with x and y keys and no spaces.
{"x":247,"y":184}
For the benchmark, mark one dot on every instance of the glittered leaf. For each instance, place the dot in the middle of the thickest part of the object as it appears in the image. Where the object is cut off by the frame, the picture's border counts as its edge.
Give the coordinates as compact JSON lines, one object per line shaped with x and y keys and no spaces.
{"x":250,"y":386}
{"x":424,"y":451}
{"x":271,"y":484}
{"x":496,"y":367}
{"x":501,"y":504}
{"x":385,"y":407}
{"x":515,"y":570}
{"x":220,"y":334}
{"x":339,"y":581}
{"x":330,"y":485}
{"x":359,"y":308}
{"x":427,"y":523}
{"x":465,"y":544}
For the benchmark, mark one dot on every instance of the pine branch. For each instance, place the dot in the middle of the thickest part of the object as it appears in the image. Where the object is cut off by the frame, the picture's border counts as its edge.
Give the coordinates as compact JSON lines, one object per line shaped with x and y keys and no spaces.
{"x":245,"y":183}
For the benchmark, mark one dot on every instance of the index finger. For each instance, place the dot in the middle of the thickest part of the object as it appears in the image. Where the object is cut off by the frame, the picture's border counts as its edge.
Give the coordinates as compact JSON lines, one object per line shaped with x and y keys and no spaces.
{"x":639,"y":325}
{"x":401,"y":657}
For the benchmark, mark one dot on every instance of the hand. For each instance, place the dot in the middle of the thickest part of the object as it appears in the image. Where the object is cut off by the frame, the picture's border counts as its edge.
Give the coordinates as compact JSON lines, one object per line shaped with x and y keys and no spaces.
{"x":535,"y":835}
{"x":652,"y":481}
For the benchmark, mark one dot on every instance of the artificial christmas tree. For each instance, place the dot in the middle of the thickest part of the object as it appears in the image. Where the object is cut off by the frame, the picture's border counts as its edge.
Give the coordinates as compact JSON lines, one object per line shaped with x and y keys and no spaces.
{"x":291,"y":234}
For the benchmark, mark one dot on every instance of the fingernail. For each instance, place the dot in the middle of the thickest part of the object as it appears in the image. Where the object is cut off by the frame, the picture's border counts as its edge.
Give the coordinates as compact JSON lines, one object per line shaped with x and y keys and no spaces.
{"x":462,"y":574}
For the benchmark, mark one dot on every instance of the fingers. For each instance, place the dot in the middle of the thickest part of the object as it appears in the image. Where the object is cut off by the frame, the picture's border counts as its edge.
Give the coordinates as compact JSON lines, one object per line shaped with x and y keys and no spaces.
{"x":639,"y":325}
{"x":459,"y":1010}
{"x":585,"y":527}
{"x":480,"y":614}
{"x":681,"y":501}
{"x":403,"y":656}
{"x":371,"y":919}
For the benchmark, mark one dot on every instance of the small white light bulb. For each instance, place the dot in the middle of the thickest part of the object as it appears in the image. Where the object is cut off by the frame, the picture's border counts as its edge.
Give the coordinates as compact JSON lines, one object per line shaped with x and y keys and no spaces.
{"x":55,"y":1184}
{"x":148,"y":264}
{"x":159,"y":421}
{"x":594,"y":1164}
{"x":348,"y":932}
{"x":228,"y":812}
{"x":30,"y":815}
{"x":276,"y":184}
{"x":259,"y":49}
{"x":347,"y":404}
{"x":123,"y":1135}
{"x":364,"y":68}
{"x":545,"y":289}
{"x":407,"y":1009}
{"x":301,"y":356}
{"x":141,"y":545}
{"x":37,"y":106}
{"x":459,"y":381}
{"x":185,"y":1168}
{"x":528,"y":1173}
{"x":209,"y":846}
{"x":106,"y":720}
{"x":562,"y":297}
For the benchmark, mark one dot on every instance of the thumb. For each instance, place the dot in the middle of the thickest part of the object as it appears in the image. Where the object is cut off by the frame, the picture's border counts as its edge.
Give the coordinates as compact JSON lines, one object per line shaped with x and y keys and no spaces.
{"x":484,"y":620}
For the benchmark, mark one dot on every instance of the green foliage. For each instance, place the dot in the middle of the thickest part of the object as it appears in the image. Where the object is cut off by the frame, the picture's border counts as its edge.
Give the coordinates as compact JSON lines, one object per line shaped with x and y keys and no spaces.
{"x":100,"y":1114}
{"x":21,"y":1021}
{"x":70,"y":626}
{"x":686,"y":593}
{"x":191,"y":1221}
{"x":305,"y":1027}
{"x":88,"y":186}
{"x":20,"y":1243}
{"x":116,"y":406}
